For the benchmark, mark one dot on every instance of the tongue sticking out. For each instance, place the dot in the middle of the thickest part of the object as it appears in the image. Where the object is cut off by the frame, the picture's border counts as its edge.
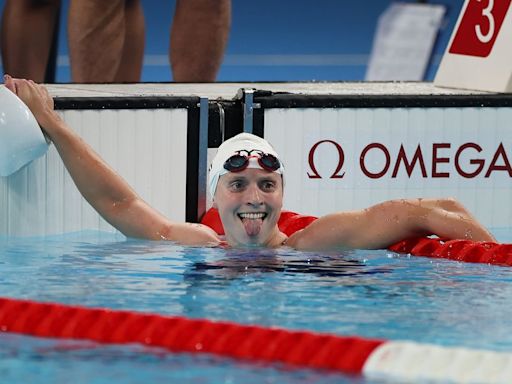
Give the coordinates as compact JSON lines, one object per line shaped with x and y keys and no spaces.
{"x":252,"y":226}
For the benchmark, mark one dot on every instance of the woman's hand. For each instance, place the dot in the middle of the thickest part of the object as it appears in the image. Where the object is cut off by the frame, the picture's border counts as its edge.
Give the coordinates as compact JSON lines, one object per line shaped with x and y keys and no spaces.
{"x":37,"y":99}
{"x":449,"y":218}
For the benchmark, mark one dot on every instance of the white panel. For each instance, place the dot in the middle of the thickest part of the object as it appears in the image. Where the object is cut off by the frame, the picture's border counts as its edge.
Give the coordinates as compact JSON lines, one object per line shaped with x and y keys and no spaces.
{"x":409,"y":362}
{"x":474,"y":62}
{"x":17,"y":198}
{"x":4,"y":204}
{"x":451,"y":132}
{"x":55,"y":176}
{"x":146,"y":147}
{"x":71,"y":199}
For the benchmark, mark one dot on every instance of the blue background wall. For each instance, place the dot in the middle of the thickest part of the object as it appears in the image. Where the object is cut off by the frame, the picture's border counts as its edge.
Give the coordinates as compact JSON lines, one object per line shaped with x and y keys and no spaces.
{"x":269,"y":39}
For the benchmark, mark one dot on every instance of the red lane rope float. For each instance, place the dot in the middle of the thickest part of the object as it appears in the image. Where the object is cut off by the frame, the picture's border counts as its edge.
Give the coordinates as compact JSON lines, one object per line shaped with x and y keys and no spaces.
{"x":458,"y":250}
{"x":180,"y":334}
{"x":402,"y":360}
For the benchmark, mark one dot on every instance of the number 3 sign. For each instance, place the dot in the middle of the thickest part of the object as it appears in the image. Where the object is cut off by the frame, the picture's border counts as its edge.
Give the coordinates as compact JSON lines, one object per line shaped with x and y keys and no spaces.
{"x":481,"y":44}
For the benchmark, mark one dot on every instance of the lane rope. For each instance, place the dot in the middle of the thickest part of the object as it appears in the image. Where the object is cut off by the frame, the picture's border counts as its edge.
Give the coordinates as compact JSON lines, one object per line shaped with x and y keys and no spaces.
{"x":458,"y":250}
{"x":354,"y":355}
{"x":180,"y":334}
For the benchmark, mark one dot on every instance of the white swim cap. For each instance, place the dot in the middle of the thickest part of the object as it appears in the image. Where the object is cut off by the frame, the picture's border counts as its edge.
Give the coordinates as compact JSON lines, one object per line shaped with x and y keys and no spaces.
{"x":243,"y":142}
{"x":21,"y":139}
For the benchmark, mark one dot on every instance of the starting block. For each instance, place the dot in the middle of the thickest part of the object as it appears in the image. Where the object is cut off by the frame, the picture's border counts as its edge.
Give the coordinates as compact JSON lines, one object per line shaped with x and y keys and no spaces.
{"x":479,"y":54}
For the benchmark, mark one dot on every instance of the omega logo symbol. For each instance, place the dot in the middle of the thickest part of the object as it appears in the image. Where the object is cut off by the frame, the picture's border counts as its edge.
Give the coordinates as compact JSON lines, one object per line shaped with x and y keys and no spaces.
{"x":311,"y":159}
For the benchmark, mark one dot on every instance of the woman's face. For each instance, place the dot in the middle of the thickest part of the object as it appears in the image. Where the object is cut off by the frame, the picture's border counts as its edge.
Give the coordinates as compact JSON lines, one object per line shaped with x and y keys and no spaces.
{"x":249,"y":204}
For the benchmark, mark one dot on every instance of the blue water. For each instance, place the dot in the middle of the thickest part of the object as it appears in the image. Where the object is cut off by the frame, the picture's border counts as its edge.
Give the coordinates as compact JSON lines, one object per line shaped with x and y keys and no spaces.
{"x":368,"y":293}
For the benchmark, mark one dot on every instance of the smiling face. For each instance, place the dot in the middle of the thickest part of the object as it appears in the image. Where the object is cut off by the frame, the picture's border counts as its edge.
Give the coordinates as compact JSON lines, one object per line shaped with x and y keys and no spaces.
{"x":249,"y":204}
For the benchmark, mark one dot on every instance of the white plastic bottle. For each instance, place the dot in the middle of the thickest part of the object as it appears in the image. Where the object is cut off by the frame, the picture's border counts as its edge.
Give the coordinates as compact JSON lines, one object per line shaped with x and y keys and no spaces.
{"x":21,"y":138}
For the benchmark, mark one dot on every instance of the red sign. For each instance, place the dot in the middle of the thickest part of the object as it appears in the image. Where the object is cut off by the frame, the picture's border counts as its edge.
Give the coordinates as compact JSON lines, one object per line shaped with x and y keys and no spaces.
{"x":436,"y":165}
{"x":479,"y":27}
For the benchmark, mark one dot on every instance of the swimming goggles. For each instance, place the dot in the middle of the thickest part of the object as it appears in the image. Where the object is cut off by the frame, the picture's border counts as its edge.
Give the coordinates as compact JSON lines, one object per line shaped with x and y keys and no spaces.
{"x":239,"y":161}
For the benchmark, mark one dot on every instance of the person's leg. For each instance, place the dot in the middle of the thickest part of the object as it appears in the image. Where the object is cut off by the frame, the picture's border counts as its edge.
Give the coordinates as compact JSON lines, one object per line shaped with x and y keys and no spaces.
{"x":99,"y":40}
{"x":27,"y":34}
{"x":133,"y":49}
{"x":199,"y":35}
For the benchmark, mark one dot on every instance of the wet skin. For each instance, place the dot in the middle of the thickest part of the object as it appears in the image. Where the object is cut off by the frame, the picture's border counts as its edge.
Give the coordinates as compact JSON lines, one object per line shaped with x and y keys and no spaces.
{"x":249,"y":204}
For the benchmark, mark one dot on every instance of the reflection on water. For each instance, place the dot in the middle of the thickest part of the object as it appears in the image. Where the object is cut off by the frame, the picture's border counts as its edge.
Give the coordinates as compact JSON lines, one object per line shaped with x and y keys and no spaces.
{"x":235,"y":263}
{"x":373,"y":294}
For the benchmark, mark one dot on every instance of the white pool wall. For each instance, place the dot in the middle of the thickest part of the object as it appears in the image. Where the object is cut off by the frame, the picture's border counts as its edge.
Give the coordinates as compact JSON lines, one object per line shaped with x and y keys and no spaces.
{"x":146,"y":147}
{"x":295,"y":131}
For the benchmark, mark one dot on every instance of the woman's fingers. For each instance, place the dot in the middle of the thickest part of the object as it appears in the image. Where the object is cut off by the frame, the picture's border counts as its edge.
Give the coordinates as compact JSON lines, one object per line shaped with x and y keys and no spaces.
{"x":36,"y":98}
{"x":10,"y":84}
{"x":23,"y":89}
{"x":19,"y":86}
{"x":28,"y":90}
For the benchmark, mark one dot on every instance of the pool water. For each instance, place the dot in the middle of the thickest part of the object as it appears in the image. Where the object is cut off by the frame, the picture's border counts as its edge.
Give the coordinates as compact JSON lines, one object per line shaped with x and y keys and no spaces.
{"x":376,"y":294}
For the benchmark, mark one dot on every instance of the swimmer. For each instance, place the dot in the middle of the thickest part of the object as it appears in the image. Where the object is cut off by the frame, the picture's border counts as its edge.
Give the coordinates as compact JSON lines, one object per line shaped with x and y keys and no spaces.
{"x":247,"y":184}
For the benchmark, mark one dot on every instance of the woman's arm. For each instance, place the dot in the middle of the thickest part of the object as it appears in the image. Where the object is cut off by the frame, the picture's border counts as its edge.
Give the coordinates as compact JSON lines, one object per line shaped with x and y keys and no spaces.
{"x":387,"y":223}
{"x":101,"y":186}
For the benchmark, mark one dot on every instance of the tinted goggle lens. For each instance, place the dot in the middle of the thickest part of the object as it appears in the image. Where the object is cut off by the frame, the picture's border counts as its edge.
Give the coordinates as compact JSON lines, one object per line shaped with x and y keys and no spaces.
{"x":269,"y":162}
{"x":236,"y":163}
